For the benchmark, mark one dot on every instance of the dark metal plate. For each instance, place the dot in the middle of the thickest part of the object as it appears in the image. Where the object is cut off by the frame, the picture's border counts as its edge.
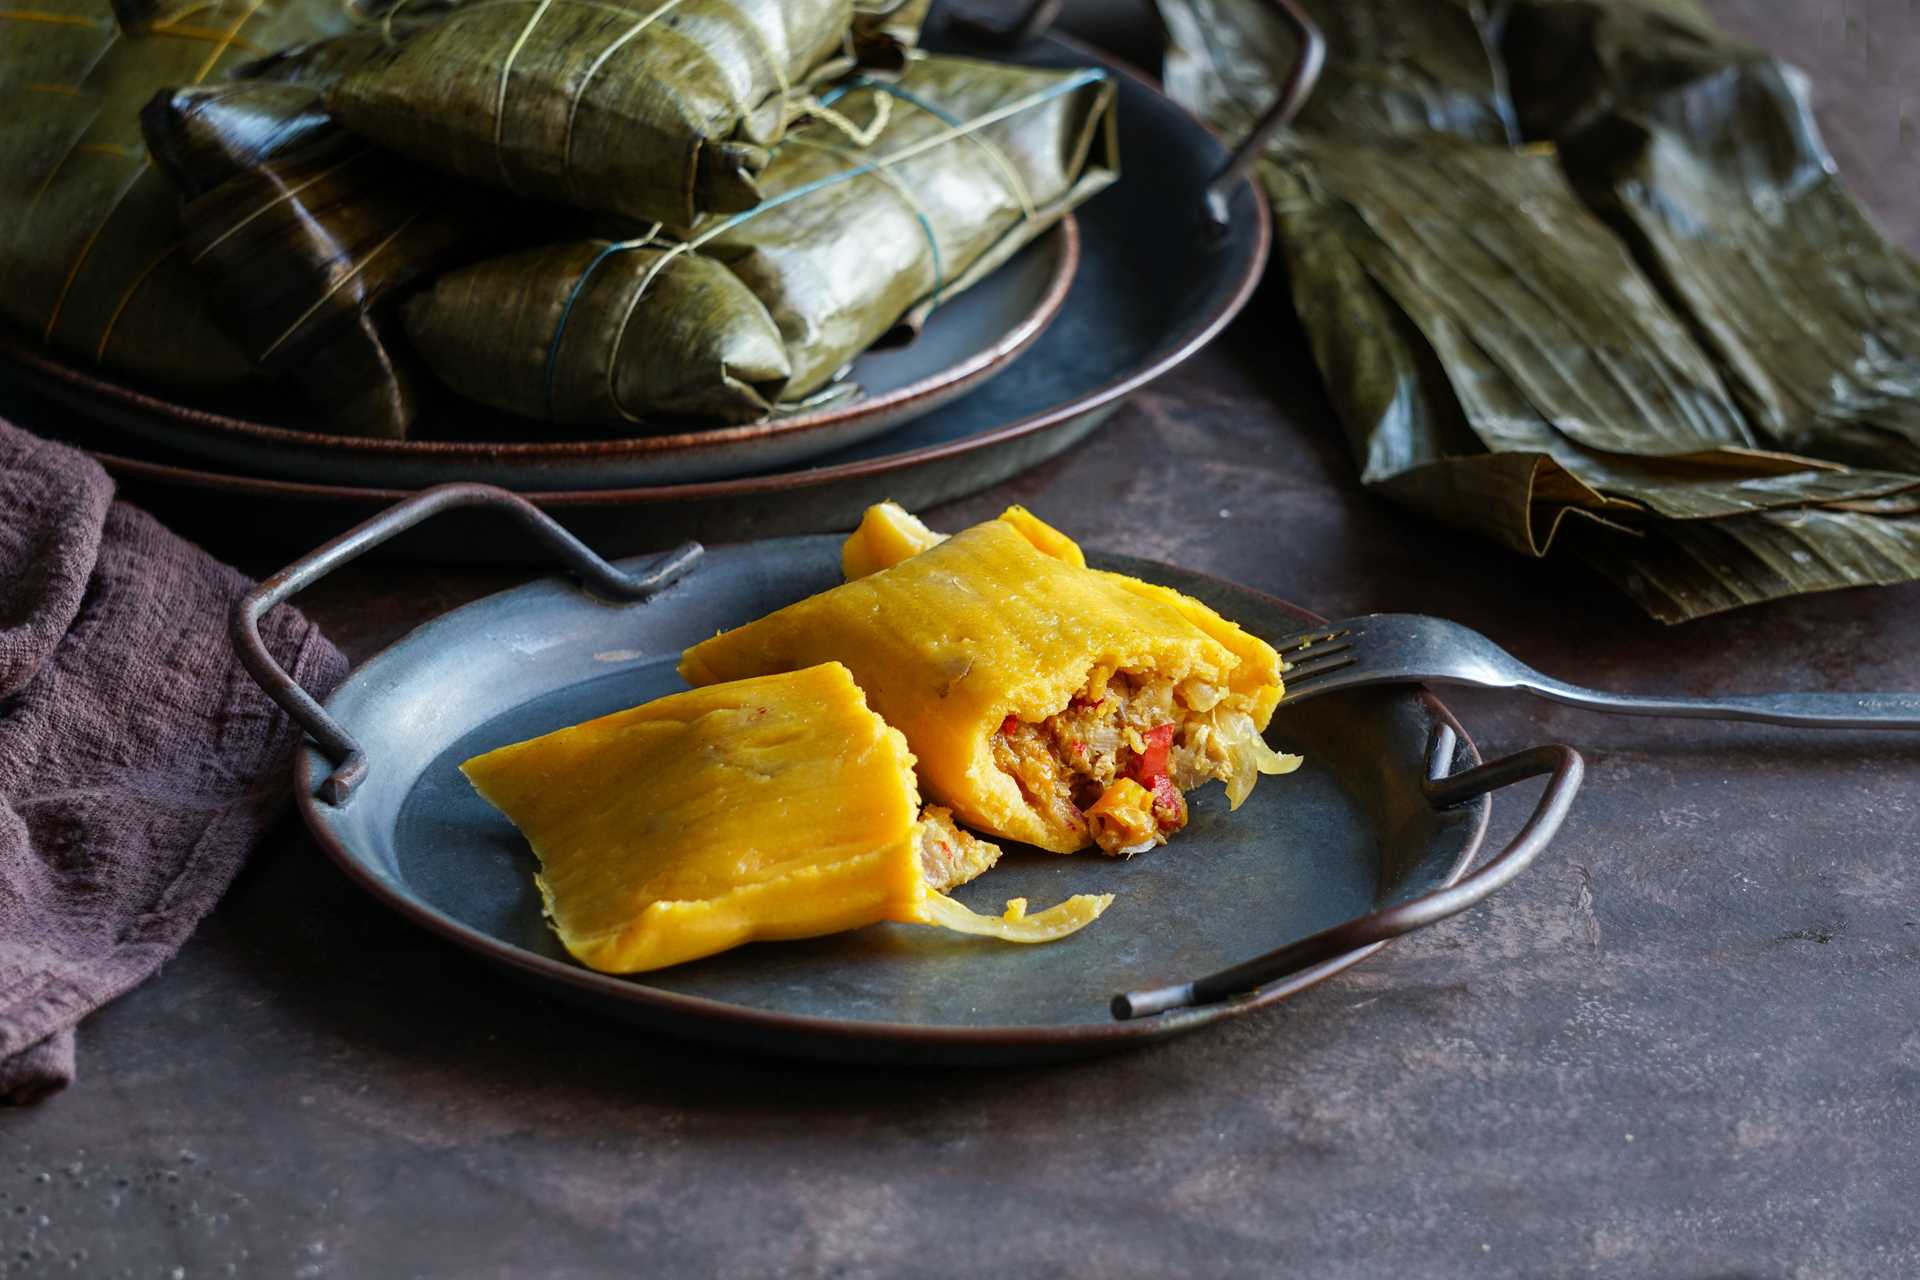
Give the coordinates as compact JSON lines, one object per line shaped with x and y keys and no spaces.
{"x":1351,"y":831}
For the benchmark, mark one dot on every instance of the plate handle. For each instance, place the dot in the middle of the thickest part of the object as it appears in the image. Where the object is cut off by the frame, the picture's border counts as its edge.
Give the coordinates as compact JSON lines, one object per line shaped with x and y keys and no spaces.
{"x":350,"y":763}
{"x":1566,"y":769}
{"x":1040,"y":15}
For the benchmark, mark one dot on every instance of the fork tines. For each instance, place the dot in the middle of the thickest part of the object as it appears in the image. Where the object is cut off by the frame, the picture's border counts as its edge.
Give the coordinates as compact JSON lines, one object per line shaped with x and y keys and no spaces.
{"x":1316,"y":653}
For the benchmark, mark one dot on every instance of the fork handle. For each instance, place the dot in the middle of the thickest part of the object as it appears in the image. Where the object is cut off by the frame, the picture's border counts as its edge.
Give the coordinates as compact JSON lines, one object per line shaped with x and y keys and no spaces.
{"x":1800,"y":710}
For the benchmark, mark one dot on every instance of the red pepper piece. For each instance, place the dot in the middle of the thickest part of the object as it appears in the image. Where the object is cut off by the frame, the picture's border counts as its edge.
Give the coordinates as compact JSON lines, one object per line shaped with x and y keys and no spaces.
{"x":1008,"y":725}
{"x":1169,"y":806}
{"x":1152,"y":764}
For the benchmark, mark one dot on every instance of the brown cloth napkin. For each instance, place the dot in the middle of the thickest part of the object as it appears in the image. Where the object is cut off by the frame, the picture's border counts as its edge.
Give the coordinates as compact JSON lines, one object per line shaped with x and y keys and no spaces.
{"x":138,"y":761}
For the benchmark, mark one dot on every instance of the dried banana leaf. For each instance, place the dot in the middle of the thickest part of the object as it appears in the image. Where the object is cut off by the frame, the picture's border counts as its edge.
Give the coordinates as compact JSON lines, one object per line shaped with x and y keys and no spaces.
{"x":1572,"y":59}
{"x":703,"y":346}
{"x":1443,"y":340}
{"x":653,"y":109}
{"x":1663,"y":320}
{"x":1681,"y":570}
{"x":883,"y":30}
{"x":89,"y":248}
{"x":300,"y":230}
{"x":855,"y":237}
{"x":1394,"y":67}
{"x":1706,"y":157}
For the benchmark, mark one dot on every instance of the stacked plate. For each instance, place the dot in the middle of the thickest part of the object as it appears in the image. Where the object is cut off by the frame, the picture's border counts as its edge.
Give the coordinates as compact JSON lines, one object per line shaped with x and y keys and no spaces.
{"x":1011,"y":373}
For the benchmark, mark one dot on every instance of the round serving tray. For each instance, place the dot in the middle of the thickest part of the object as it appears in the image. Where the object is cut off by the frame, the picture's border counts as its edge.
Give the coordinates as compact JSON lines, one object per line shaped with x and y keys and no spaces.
{"x":1158,"y":279}
{"x":1311,"y":875}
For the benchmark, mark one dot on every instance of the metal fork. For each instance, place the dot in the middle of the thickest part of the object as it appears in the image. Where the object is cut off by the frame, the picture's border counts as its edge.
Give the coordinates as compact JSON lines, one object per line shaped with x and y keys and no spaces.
{"x":1387,"y":648}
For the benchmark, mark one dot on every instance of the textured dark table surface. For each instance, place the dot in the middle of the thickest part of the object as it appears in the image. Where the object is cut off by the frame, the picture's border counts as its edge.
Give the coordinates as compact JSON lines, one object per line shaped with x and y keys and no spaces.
{"x":1686,"y":1045}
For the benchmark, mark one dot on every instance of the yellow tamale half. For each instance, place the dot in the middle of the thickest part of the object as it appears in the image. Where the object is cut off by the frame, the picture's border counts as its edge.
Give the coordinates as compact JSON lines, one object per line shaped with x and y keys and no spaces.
{"x":889,"y":533}
{"x":778,"y":807}
{"x":985,"y":625}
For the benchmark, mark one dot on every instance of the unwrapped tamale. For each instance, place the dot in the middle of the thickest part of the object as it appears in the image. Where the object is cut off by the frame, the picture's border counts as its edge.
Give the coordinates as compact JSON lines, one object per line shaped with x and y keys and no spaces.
{"x":764,"y":809}
{"x":1045,"y":701}
{"x":653,"y":109}
{"x":90,"y":257}
{"x":300,"y":230}
{"x":966,"y":162}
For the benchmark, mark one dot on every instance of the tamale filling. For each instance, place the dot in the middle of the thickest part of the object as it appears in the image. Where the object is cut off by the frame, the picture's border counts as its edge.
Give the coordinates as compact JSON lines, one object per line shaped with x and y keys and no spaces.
{"x":949,"y":857}
{"x":1117,"y":760}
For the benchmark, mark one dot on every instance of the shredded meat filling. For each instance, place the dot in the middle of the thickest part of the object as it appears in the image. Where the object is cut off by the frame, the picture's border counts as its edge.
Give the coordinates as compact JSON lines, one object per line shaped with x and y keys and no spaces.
{"x":1117,"y":759}
{"x":949,"y":856}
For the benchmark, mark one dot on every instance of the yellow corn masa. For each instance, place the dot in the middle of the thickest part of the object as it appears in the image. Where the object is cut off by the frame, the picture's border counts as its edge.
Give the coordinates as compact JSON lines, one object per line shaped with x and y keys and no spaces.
{"x":889,"y":533}
{"x":779,"y":807}
{"x":1044,"y":536}
{"x":950,"y":641}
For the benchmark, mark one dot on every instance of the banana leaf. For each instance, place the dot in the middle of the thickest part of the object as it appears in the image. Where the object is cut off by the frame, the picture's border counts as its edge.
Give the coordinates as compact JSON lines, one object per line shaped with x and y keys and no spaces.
{"x":1681,"y":570}
{"x":1411,"y":67}
{"x":1656,"y":326}
{"x":1706,"y":157}
{"x":703,"y":347}
{"x":1543,"y":340}
{"x":883,"y":30}
{"x":300,"y":231}
{"x":90,"y":262}
{"x":966,"y":162}
{"x":658,"y":110}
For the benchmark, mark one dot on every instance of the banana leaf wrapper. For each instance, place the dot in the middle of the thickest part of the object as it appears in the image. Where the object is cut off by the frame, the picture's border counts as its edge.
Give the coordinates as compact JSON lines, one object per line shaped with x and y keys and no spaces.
{"x":1706,"y":157}
{"x":884,"y":30}
{"x":702,"y":347}
{"x":659,"y":110}
{"x":1411,"y":67}
{"x":1681,"y":570}
{"x":301,"y":231}
{"x":1604,"y":329}
{"x":1543,"y":341}
{"x":767,"y":307}
{"x":90,"y":257}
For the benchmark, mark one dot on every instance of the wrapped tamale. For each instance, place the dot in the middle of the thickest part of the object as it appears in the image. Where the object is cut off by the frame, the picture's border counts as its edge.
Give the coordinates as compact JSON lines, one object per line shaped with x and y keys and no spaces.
{"x":966,"y":162}
{"x":90,"y":260}
{"x":301,"y":230}
{"x":702,"y":347}
{"x":780,"y":807}
{"x":884,"y":30}
{"x":1045,"y":701}
{"x":659,"y":110}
